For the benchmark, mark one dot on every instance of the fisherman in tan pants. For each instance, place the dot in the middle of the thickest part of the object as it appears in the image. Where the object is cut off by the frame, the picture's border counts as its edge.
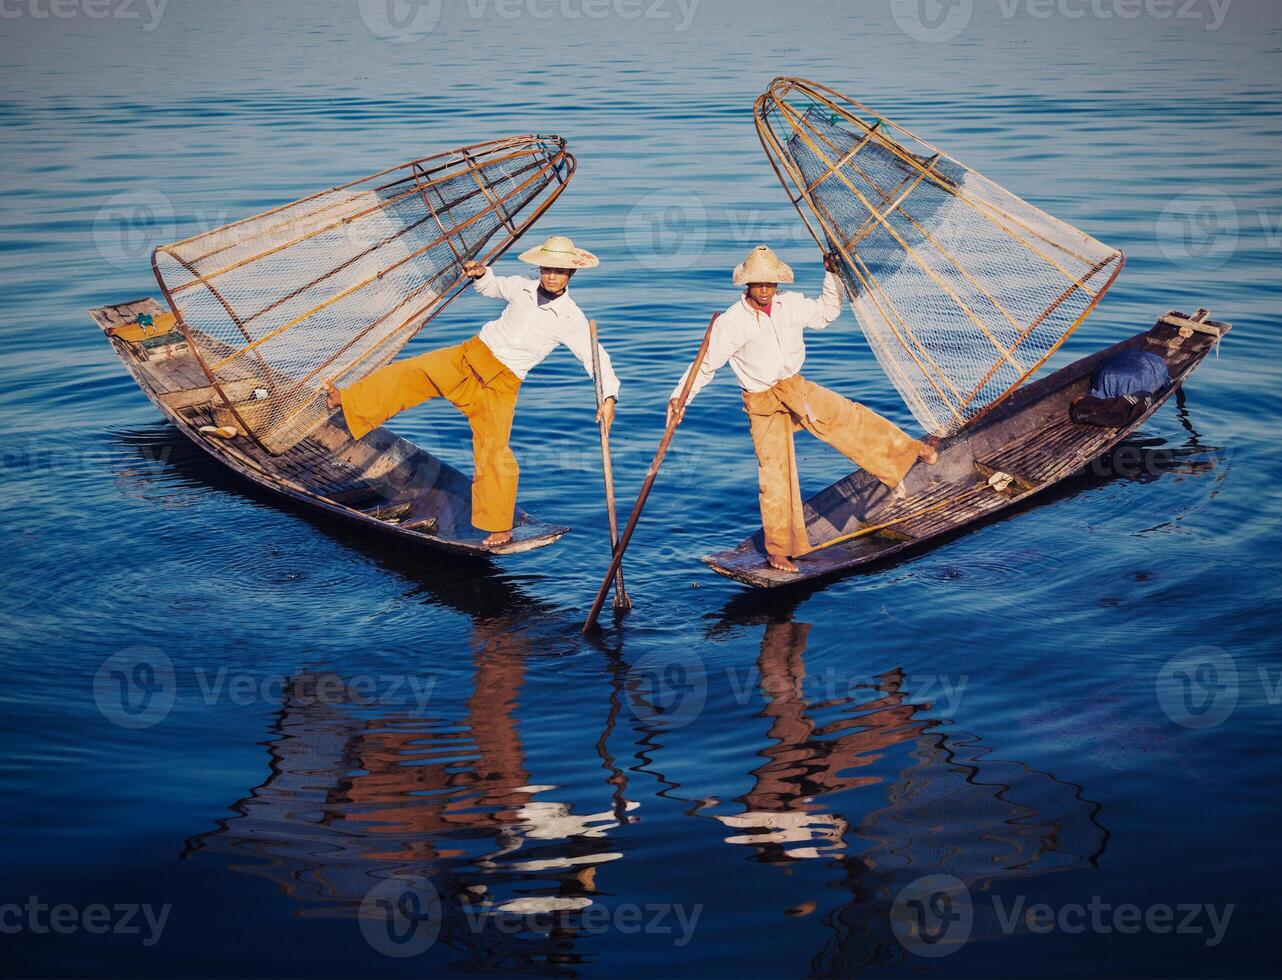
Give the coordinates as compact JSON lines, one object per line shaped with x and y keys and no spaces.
{"x":761,"y":337}
{"x":481,"y":377}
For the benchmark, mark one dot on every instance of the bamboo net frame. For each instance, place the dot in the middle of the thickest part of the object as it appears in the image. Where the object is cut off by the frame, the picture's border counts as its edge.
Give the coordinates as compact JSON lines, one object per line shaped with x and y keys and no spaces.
{"x":962,"y":289}
{"x":325,"y":289}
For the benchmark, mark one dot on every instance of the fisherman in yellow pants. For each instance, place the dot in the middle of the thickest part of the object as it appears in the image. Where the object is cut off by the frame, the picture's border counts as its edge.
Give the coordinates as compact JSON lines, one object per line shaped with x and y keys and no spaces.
{"x":761,"y":337}
{"x":482,"y":376}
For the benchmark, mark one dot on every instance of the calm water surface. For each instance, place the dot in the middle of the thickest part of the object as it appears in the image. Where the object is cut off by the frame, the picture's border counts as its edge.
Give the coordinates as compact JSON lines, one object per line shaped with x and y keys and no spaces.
{"x":724,"y":783}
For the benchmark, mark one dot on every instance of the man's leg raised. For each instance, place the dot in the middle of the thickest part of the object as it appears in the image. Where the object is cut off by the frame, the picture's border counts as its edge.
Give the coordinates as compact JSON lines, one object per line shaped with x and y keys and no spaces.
{"x":371,"y":401}
{"x":871,"y":442}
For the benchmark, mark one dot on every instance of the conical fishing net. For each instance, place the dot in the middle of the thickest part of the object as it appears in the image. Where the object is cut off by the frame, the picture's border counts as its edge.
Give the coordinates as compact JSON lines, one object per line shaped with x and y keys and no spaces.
{"x":326,"y":289}
{"x":962,"y":289}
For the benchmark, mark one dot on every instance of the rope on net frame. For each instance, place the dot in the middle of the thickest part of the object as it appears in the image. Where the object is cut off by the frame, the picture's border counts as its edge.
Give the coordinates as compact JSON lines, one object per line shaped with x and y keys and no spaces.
{"x":325,"y":289}
{"x":962,"y":289}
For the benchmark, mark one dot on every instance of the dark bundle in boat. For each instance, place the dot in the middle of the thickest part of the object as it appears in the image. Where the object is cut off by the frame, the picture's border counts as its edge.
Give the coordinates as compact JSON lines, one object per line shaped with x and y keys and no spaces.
{"x":963,"y":291}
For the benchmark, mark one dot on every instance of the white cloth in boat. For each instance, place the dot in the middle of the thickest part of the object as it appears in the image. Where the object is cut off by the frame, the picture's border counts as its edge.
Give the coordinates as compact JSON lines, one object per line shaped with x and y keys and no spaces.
{"x":526,"y":332}
{"x":764,"y":349}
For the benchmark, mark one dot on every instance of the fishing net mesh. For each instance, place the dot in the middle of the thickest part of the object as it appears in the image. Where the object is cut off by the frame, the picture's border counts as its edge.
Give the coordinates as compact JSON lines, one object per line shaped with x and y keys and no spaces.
{"x":329,"y":288}
{"x":961,"y":288}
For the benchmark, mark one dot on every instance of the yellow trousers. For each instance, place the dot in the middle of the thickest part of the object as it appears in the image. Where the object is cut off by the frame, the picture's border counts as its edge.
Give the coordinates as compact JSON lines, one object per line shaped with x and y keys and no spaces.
{"x":870,"y":441}
{"x":475,"y":382}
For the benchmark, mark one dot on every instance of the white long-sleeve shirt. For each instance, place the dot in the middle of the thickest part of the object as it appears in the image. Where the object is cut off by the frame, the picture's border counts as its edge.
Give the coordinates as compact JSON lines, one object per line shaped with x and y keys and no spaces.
{"x":525,"y":333}
{"x":764,"y":349}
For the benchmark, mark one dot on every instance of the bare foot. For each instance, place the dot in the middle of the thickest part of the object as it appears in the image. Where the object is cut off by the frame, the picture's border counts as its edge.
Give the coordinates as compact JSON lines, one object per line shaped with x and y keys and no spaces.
{"x":333,"y":397}
{"x":497,"y":538}
{"x":927,"y":454}
{"x":781,"y":562}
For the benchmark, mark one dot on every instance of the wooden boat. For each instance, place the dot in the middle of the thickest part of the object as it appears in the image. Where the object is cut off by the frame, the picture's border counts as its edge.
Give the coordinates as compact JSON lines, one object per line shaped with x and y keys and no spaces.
{"x":262,"y":314}
{"x":1029,"y":438}
{"x":963,"y":291}
{"x":381,"y":482}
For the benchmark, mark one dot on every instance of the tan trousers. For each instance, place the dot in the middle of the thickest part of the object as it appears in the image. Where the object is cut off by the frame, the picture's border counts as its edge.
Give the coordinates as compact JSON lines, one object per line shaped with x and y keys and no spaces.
{"x":475,"y":382}
{"x":871,"y":442}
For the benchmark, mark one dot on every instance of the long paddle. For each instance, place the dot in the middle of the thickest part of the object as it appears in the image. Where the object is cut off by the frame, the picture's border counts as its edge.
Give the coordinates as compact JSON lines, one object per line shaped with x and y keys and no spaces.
{"x":653,"y":472}
{"x":621,"y":600}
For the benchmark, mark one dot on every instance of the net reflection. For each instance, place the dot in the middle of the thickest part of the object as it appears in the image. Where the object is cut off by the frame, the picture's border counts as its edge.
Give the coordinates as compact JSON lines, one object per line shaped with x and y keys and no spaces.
{"x":866,"y":780}
{"x":361,"y":794}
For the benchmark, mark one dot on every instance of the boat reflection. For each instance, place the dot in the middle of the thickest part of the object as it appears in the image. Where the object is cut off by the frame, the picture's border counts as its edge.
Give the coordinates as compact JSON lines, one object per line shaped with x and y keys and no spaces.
{"x":357,"y":794}
{"x":832,"y":789}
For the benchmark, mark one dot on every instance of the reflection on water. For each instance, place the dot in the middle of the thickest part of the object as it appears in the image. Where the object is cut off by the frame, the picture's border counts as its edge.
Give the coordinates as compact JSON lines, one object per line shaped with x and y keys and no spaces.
{"x":951,"y":810}
{"x":357,"y":793}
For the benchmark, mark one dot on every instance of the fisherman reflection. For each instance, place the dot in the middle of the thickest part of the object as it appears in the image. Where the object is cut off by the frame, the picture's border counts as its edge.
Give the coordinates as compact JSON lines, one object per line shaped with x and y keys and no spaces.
{"x":358,"y":793}
{"x":807,"y":760}
{"x":948,"y":807}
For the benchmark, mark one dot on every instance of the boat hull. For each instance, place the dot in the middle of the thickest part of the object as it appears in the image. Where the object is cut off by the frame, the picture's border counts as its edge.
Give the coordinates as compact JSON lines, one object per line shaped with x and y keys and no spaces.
{"x":382,"y":482}
{"x":1029,"y":437}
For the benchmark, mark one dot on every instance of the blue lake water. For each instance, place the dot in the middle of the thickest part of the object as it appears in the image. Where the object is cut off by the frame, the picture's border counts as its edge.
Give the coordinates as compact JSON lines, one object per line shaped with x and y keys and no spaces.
{"x":726,"y":783}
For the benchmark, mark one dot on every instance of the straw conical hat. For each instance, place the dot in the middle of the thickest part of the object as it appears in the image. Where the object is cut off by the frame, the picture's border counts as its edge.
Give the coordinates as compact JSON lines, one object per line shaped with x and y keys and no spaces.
{"x":761,"y":265}
{"x":558,"y":252}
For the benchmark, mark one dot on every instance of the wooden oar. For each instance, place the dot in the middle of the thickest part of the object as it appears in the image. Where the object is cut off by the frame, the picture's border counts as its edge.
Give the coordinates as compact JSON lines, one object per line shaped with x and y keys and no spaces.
{"x":621,"y":600}
{"x":617,"y":560}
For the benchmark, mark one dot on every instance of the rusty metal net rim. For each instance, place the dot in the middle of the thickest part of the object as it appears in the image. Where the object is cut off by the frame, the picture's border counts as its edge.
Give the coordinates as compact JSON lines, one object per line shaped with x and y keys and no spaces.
{"x":552,"y":167}
{"x":800,"y":190}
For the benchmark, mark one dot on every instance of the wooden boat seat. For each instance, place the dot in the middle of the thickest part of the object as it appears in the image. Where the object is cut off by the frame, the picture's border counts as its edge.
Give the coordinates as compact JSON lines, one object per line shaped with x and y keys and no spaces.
{"x":1047,"y":454}
{"x":939,"y":507}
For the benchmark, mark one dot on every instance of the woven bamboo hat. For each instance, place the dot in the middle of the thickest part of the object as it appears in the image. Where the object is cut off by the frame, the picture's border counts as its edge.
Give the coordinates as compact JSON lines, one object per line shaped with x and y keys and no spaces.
{"x":558,"y":252}
{"x":761,"y":265}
